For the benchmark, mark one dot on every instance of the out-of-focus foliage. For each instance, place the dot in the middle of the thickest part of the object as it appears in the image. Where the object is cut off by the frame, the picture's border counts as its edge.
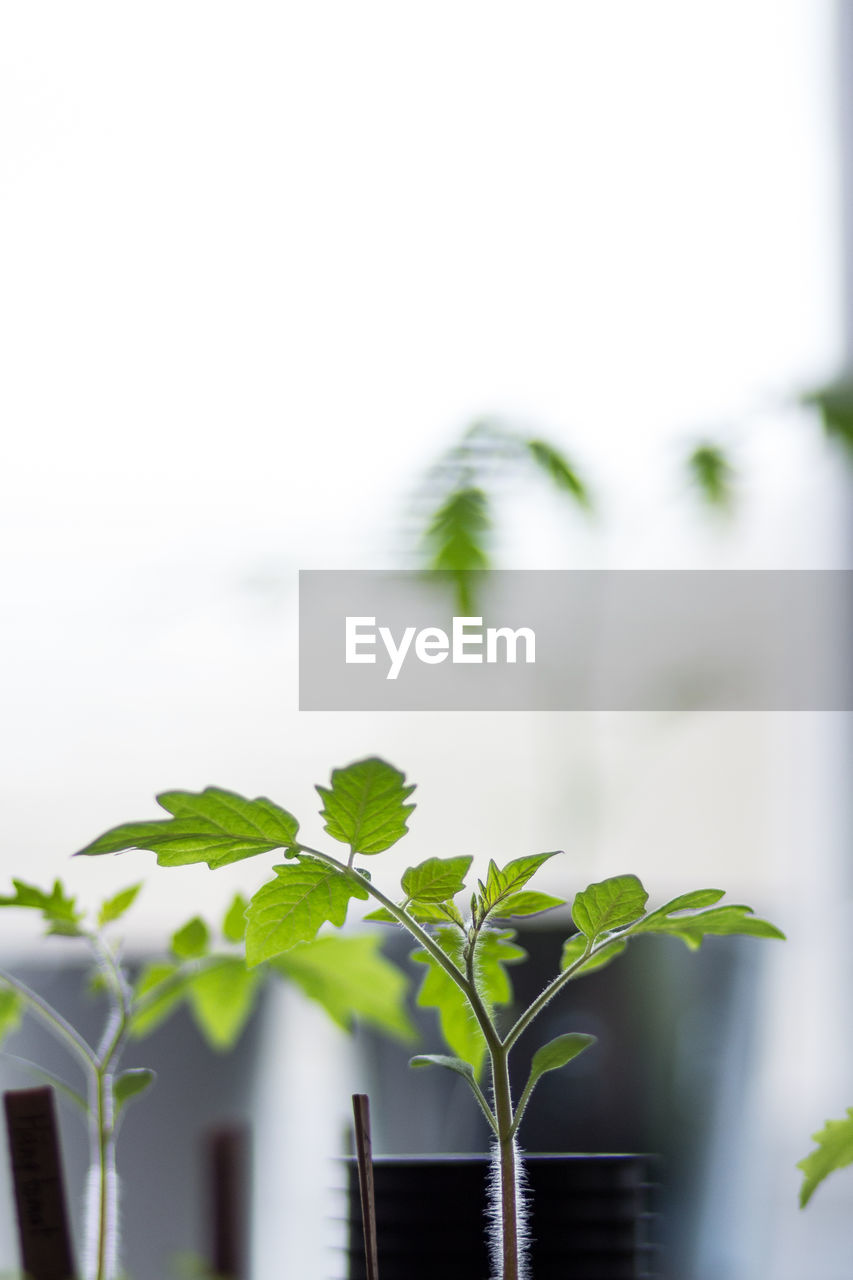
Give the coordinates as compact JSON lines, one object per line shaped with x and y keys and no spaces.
{"x":834,"y":404}
{"x":710,"y":469}
{"x":457,"y":510}
{"x":834,"y":1151}
{"x":459,"y":498}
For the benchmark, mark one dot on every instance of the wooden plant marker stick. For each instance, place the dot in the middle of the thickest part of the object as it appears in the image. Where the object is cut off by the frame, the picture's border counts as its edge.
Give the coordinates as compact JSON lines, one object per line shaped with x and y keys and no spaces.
{"x":364,"y":1155}
{"x":43,"y":1233}
{"x":227,"y":1153}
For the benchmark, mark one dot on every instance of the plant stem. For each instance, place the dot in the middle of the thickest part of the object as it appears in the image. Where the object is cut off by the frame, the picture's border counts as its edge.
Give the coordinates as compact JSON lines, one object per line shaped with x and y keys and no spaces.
{"x":550,"y":991}
{"x":510,"y":1260}
{"x":509,"y":1234}
{"x":102,"y":1186}
{"x":103,"y":1224}
{"x":508,"y":1243}
{"x":54,"y":1021}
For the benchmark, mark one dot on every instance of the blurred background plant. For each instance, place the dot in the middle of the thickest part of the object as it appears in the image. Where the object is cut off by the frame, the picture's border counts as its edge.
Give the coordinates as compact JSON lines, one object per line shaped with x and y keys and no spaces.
{"x":458,"y":501}
{"x":345,"y":975}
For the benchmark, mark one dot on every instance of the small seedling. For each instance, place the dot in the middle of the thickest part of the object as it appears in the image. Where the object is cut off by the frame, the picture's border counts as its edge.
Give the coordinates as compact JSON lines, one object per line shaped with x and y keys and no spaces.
{"x":465,"y":951}
{"x":346,"y":975}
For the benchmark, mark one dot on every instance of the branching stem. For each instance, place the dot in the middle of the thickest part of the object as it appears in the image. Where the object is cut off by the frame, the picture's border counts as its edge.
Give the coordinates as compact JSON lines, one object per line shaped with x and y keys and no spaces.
{"x":503,"y":1119}
{"x":552,"y":989}
{"x":403,"y":917}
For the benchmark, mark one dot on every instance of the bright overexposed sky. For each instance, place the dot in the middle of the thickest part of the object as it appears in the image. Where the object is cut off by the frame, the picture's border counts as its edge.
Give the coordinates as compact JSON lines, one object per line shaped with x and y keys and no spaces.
{"x":259,"y":263}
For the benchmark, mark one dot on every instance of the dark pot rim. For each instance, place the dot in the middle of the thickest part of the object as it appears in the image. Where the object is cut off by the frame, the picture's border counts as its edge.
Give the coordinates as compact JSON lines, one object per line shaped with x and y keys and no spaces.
{"x":468,"y":1157}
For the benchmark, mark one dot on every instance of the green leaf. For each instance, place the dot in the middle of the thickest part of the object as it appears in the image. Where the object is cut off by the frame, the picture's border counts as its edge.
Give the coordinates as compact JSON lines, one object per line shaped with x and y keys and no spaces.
{"x":502,"y":882}
{"x":442,"y":1060}
{"x":221,"y":998}
{"x":424,"y":912}
{"x":834,"y":403}
{"x":58,"y":910}
{"x":115,"y":907}
{"x":291,"y":908}
{"x":722,"y":921}
{"x":449,"y":911}
{"x":574,"y":948}
{"x":689,"y":902}
{"x":711,"y":471}
{"x":560,"y":470}
{"x":130,"y":1084}
{"x":383,"y":916}
{"x":352,"y":980}
{"x":162,"y":986}
{"x":460,"y":1068}
{"x":437,"y":879}
{"x":834,"y":1151}
{"x":527,"y":904}
{"x":557,"y":1053}
{"x":364,"y":807}
{"x":438,"y":991}
{"x":191,"y":941}
{"x":234,"y":924}
{"x":213,"y":826}
{"x":608,"y":905}
{"x":11,"y":1009}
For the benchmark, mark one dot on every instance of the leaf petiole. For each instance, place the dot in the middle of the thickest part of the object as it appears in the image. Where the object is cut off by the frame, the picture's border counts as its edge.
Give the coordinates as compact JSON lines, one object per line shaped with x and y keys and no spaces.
{"x":399,"y":913}
{"x":54,"y":1021}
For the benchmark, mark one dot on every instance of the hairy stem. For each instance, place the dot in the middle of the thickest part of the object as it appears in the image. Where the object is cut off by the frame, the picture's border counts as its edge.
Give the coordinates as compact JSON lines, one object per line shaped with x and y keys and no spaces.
{"x":510,"y":1259}
{"x":507,"y":1245}
{"x":102,"y":1210}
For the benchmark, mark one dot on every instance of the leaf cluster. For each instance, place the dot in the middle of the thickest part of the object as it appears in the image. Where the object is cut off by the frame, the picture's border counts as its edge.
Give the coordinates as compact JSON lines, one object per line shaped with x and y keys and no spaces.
{"x":465,"y":946}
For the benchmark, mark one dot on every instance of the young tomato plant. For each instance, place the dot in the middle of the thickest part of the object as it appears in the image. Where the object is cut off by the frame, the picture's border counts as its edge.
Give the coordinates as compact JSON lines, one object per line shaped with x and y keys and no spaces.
{"x":366,"y":808}
{"x":346,"y":975}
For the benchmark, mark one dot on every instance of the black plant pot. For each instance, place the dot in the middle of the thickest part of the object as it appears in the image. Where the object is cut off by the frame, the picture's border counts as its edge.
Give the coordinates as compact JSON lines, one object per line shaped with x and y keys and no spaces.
{"x":588,"y":1217}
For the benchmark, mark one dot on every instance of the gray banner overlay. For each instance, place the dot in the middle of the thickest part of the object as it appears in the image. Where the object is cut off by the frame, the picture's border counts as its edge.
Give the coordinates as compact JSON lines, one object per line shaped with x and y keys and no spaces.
{"x":582,"y":641}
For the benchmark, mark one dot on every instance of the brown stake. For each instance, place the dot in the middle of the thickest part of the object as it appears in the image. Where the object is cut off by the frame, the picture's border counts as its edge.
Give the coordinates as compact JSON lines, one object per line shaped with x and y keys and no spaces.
{"x":43,"y":1232}
{"x":227,"y":1152}
{"x":364,"y":1155}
